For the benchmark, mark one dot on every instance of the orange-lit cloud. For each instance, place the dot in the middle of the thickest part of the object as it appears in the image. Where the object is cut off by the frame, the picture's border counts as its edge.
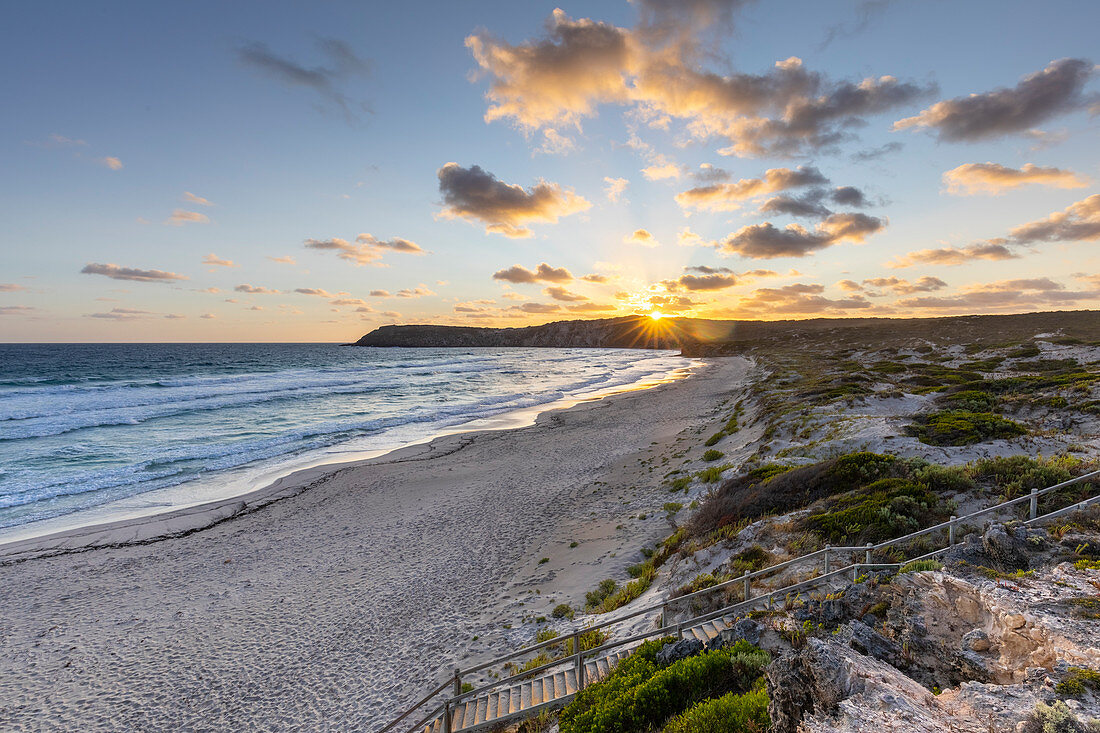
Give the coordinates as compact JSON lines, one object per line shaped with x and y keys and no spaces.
{"x":641,"y":237}
{"x":729,"y":196}
{"x":994,"y":178}
{"x":117,"y":272}
{"x":543,"y":273}
{"x":765,"y":241}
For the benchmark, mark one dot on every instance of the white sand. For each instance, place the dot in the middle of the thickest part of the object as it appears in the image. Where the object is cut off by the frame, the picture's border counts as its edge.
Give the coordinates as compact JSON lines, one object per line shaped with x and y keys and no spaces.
{"x":334,"y":598}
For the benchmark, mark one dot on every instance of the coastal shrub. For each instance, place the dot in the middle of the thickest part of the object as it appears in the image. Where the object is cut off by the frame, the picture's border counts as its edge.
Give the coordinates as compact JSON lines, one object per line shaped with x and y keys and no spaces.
{"x":1056,"y":718}
{"x":970,"y":400}
{"x":713,"y":455}
{"x":984,"y":365}
{"x":589,"y":640}
{"x":1078,"y":680}
{"x":959,"y":427}
{"x":919,"y":566}
{"x":672,"y":506}
{"x":779,"y":488}
{"x":563,"y":610}
{"x":879,"y":511}
{"x":711,"y":475}
{"x":628,"y":592}
{"x":593,"y":598}
{"x":941,"y":479}
{"x":639,"y":696}
{"x":712,"y":440}
{"x":731,"y":713}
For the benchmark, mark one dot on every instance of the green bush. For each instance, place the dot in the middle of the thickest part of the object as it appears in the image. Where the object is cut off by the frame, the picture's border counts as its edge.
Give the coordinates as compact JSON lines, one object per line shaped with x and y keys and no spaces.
{"x":713,"y":455}
{"x":960,"y":427}
{"x":563,"y":610}
{"x":879,"y":511}
{"x":970,"y":400}
{"x":731,"y":713}
{"x":712,"y":440}
{"x":918,"y":566}
{"x":639,"y":696}
{"x":1078,"y":680}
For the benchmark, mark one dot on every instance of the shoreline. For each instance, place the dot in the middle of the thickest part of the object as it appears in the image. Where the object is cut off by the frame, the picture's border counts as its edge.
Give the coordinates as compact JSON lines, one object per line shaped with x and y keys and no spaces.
{"x":93,"y":527}
{"x":341,"y":602}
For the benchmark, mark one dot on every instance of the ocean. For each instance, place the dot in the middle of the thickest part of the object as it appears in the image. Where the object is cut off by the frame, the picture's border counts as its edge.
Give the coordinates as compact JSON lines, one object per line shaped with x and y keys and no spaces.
{"x":151,"y":427}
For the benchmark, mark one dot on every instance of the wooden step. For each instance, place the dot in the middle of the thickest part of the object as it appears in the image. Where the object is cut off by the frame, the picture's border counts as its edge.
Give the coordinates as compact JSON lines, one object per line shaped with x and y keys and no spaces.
{"x":494,"y":700}
{"x":456,"y":716}
{"x":602,"y":667}
{"x":698,"y":634}
{"x":591,"y":671}
{"x":482,"y":709}
{"x":536,"y":692}
{"x":571,"y":682}
{"x":526,"y":693}
{"x":517,"y":697}
{"x":559,"y":685}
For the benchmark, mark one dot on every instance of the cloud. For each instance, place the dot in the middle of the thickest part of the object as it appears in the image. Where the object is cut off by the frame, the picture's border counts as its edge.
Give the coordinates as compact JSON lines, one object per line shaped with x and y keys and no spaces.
{"x":595,"y":278}
{"x":54,"y":140}
{"x":379,"y":293}
{"x":254,"y":289}
{"x":180,"y":217}
{"x":687,"y":238}
{"x":728,"y":196}
{"x":655,"y":70}
{"x":955,"y":255}
{"x":116,"y":272}
{"x":188,"y":196}
{"x":590,"y":308}
{"x":926,"y":284}
{"x":867,"y":11}
{"x":208,"y":316}
{"x":614,"y":188}
{"x":557,"y":292}
{"x":543,"y":273}
{"x":368,"y":249}
{"x":641,"y":237}
{"x":706,"y":282}
{"x":661,"y":170}
{"x":315,"y":291}
{"x":213,"y":259}
{"x":1017,"y":293}
{"x":536,"y":308}
{"x":418,"y":292}
{"x":866,"y":156}
{"x":801,"y":207}
{"x":798,"y":298}
{"x":765,"y":241}
{"x":474,"y":194}
{"x":11,"y":288}
{"x":174,"y":316}
{"x":848,"y":196}
{"x":110,"y":162}
{"x":1079,"y":221}
{"x":122,"y":314}
{"x":16,"y":310}
{"x":1038,"y":97}
{"x":554,"y":143}
{"x":708,"y":173}
{"x":285,"y":260}
{"x":341,"y":63}
{"x":994,"y":178}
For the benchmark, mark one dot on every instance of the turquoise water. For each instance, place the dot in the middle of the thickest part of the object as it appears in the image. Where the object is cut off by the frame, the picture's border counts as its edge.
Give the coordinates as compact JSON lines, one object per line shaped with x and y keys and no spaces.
{"x":83,"y":425}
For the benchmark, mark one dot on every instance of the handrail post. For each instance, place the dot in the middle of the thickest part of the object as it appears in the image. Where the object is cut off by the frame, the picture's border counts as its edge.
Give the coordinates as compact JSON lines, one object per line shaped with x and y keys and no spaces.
{"x":867,"y":554}
{"x":458,"y":683}
{"x":578,"y":659}
{"x":679,"y":630}
{"x":664,"y":615}
{"x":951,"y":531}
{"x":1034,"y":503}
{"x":855,"y":572}
{"x":748,"y":587}
{"x":447,"y":717}
{"x":827,"y":559}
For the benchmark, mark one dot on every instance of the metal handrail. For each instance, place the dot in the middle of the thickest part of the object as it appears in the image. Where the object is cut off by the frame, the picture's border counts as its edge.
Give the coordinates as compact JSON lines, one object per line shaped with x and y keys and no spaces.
{"x":579,"y":654}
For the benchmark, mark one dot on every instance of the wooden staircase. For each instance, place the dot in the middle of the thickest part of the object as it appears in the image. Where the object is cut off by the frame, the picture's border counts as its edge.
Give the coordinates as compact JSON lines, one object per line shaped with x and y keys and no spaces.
{"x":553,"y":689}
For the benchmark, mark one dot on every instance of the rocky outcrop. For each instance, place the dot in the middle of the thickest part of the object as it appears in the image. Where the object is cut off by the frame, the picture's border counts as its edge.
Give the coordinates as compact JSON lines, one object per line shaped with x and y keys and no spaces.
{"x":996,"y":645}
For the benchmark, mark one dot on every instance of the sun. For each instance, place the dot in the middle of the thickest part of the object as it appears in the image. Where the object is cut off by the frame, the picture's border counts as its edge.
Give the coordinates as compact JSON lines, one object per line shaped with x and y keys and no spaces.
{"x":656,"y":315}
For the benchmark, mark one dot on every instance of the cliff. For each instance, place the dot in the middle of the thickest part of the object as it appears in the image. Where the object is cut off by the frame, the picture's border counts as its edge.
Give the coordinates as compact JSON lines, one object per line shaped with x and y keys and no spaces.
{"x":701,"y":337}
{"x":631,"y":332}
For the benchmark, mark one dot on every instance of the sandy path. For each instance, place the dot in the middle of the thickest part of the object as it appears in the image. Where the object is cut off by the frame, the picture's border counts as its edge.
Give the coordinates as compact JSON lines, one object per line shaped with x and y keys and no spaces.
{"x":329,"y":609}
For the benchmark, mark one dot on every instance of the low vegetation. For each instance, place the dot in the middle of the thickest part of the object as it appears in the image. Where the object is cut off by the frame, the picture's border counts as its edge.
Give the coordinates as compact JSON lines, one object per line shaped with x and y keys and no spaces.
{"x":962,"y":427}
{"x":641,"y":695}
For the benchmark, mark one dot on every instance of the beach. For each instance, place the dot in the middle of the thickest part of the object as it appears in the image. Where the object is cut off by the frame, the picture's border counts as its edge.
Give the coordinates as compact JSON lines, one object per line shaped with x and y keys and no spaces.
{"x":338,"y":595}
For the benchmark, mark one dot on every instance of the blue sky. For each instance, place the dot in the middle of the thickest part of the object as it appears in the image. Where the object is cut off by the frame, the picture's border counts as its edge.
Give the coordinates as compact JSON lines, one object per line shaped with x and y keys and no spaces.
{"x":270,"y":125}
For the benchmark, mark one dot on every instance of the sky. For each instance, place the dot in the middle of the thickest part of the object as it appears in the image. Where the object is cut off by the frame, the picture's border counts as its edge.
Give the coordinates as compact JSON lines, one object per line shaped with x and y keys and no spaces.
{"x":279,"y":171}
